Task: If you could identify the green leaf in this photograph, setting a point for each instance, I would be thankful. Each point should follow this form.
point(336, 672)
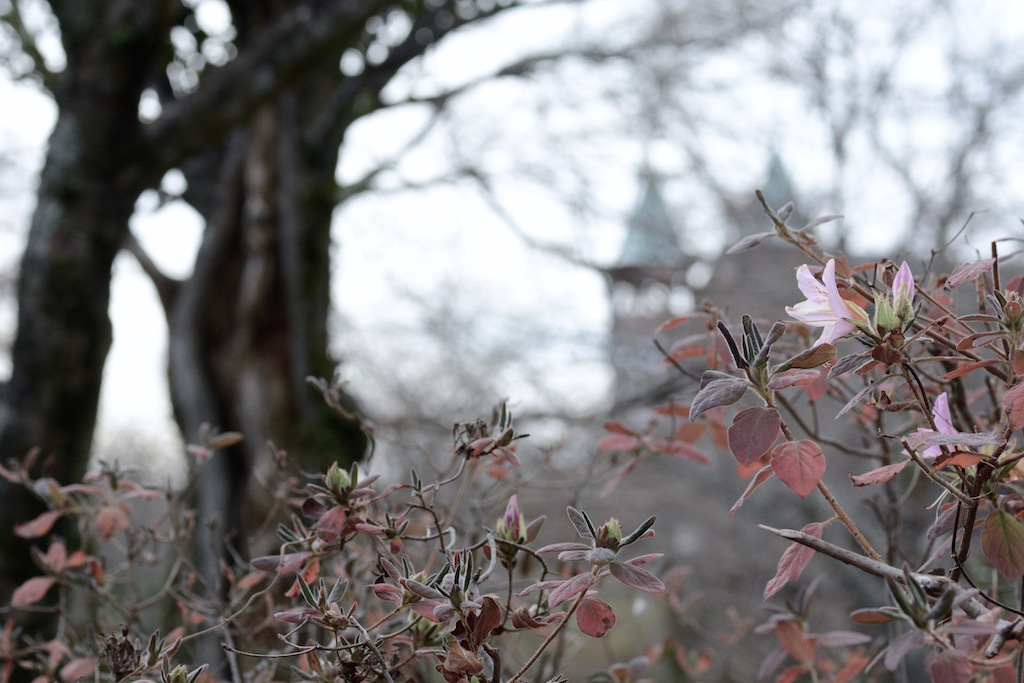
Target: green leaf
point(1002, 541)
point(752, 433)
point(774, 334)
point(799, 465)
point(717, 392)
point(638, 532)
point(307, 592)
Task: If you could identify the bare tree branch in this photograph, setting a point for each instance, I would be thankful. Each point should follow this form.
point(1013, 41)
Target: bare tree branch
point(166, 286)
point(228, 94)
point(29, 44)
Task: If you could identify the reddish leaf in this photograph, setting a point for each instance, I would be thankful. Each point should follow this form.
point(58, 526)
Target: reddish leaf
point(40, 526)
point(110, 520)
point(957, 459)
point(870, 615)
point(459, 660)
point(618, 428)
point(763, 475)
point(793, 378)
point(56, 557)
point(1002, 541)
point(488, 619)
point(690, 347)
point(32, 591)
point(80, 667)
point(595, 617)
point(1013, 402)
point(810, 358)
point(690, 432)
point(618, 476)
point(752, 433)
point(969, 271)
point(680, 449)
point(968, 368)
point(717, 392)
point(799, 465)
point(818, 388)
point(900, 646)
point(617, 442)
point(570, 589)
point(793, 639)
point(791, 674)
point(522, 618)
point(855, 663)
point(951, 667)
point(793, 561)
point(977, 339)
point(330, 524)
point(289, 563)
point(635, 577)
point(879, 475)
point(842, 639)
point(673, 322)
point(676, 409)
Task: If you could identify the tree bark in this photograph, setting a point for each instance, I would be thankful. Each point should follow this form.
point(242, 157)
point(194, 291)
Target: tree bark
point(86, 193)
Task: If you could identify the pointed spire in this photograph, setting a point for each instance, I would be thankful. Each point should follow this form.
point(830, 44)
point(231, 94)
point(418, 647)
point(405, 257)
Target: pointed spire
point(651, 239)
point(777, 188)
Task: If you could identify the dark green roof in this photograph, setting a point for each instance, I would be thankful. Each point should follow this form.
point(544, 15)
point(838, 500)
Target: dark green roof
point(651, 238)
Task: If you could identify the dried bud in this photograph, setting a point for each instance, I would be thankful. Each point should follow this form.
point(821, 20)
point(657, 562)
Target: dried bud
point(121, 655)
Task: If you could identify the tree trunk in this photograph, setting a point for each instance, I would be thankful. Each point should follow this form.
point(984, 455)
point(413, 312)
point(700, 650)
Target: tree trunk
point(87, 191)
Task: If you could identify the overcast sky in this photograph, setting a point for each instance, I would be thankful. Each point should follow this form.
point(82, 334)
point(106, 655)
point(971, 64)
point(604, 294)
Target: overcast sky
point(445, 244)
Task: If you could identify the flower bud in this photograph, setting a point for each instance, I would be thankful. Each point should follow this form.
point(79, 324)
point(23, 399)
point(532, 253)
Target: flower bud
point(337, 479)
point(609, 535)
point(179, 674)
point(886, 319)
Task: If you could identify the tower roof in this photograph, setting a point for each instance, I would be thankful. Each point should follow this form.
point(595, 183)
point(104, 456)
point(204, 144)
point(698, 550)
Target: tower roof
point(778, 188)
point(651, 237)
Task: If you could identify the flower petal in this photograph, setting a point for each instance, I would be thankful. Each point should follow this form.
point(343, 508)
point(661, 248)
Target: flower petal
point(940, 413)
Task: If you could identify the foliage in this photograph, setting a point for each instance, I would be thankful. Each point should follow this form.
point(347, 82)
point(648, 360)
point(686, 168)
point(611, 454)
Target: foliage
point(368, 581)
point(931, 399)
point(373, 581)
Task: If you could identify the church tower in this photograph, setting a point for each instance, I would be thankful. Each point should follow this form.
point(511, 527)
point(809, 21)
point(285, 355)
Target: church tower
point(646, 283)
point(761, 280)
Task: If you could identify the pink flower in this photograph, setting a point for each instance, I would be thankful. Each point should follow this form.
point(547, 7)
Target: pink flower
point(940, 414)
point(903, 291)
point(824, 307)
